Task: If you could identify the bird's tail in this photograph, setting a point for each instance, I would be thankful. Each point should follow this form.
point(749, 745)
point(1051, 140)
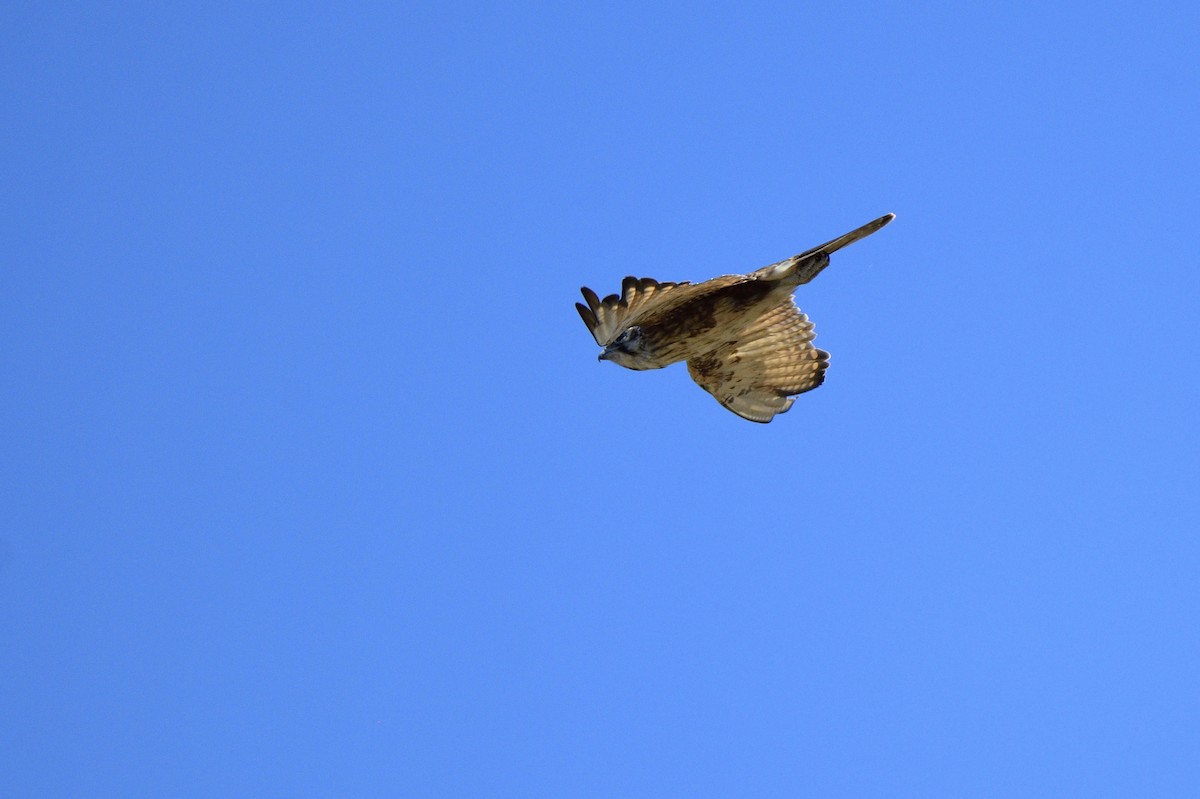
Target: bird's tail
point(804, 267)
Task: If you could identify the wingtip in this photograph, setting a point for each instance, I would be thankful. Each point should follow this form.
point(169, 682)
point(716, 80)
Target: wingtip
point(857, 234)
point(585, 313)
point(590, 297)
point(879, 223)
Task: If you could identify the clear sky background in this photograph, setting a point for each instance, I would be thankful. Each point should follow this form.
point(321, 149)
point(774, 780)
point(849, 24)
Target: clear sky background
point(313, 486)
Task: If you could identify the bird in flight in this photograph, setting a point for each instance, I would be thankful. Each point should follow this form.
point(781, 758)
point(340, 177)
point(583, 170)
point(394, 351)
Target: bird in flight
point(744, 339)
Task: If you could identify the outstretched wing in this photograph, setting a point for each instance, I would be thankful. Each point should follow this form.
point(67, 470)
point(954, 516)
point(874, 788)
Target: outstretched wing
point(804, 267)
point(758, 374)
point(609, 316)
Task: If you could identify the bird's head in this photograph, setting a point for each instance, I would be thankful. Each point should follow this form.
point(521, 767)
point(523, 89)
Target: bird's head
point(629, 350)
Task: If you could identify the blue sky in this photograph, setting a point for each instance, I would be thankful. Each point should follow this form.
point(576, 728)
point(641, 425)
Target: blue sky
point(313, 486)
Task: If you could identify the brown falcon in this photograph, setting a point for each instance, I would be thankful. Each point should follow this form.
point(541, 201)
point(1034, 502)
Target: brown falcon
point(744, 339)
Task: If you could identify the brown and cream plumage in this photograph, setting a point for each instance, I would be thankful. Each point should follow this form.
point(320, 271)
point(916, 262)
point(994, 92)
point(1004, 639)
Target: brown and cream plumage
point(744, 339)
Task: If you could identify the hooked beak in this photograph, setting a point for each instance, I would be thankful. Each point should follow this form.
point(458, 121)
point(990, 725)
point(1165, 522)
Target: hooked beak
point(605, 356)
